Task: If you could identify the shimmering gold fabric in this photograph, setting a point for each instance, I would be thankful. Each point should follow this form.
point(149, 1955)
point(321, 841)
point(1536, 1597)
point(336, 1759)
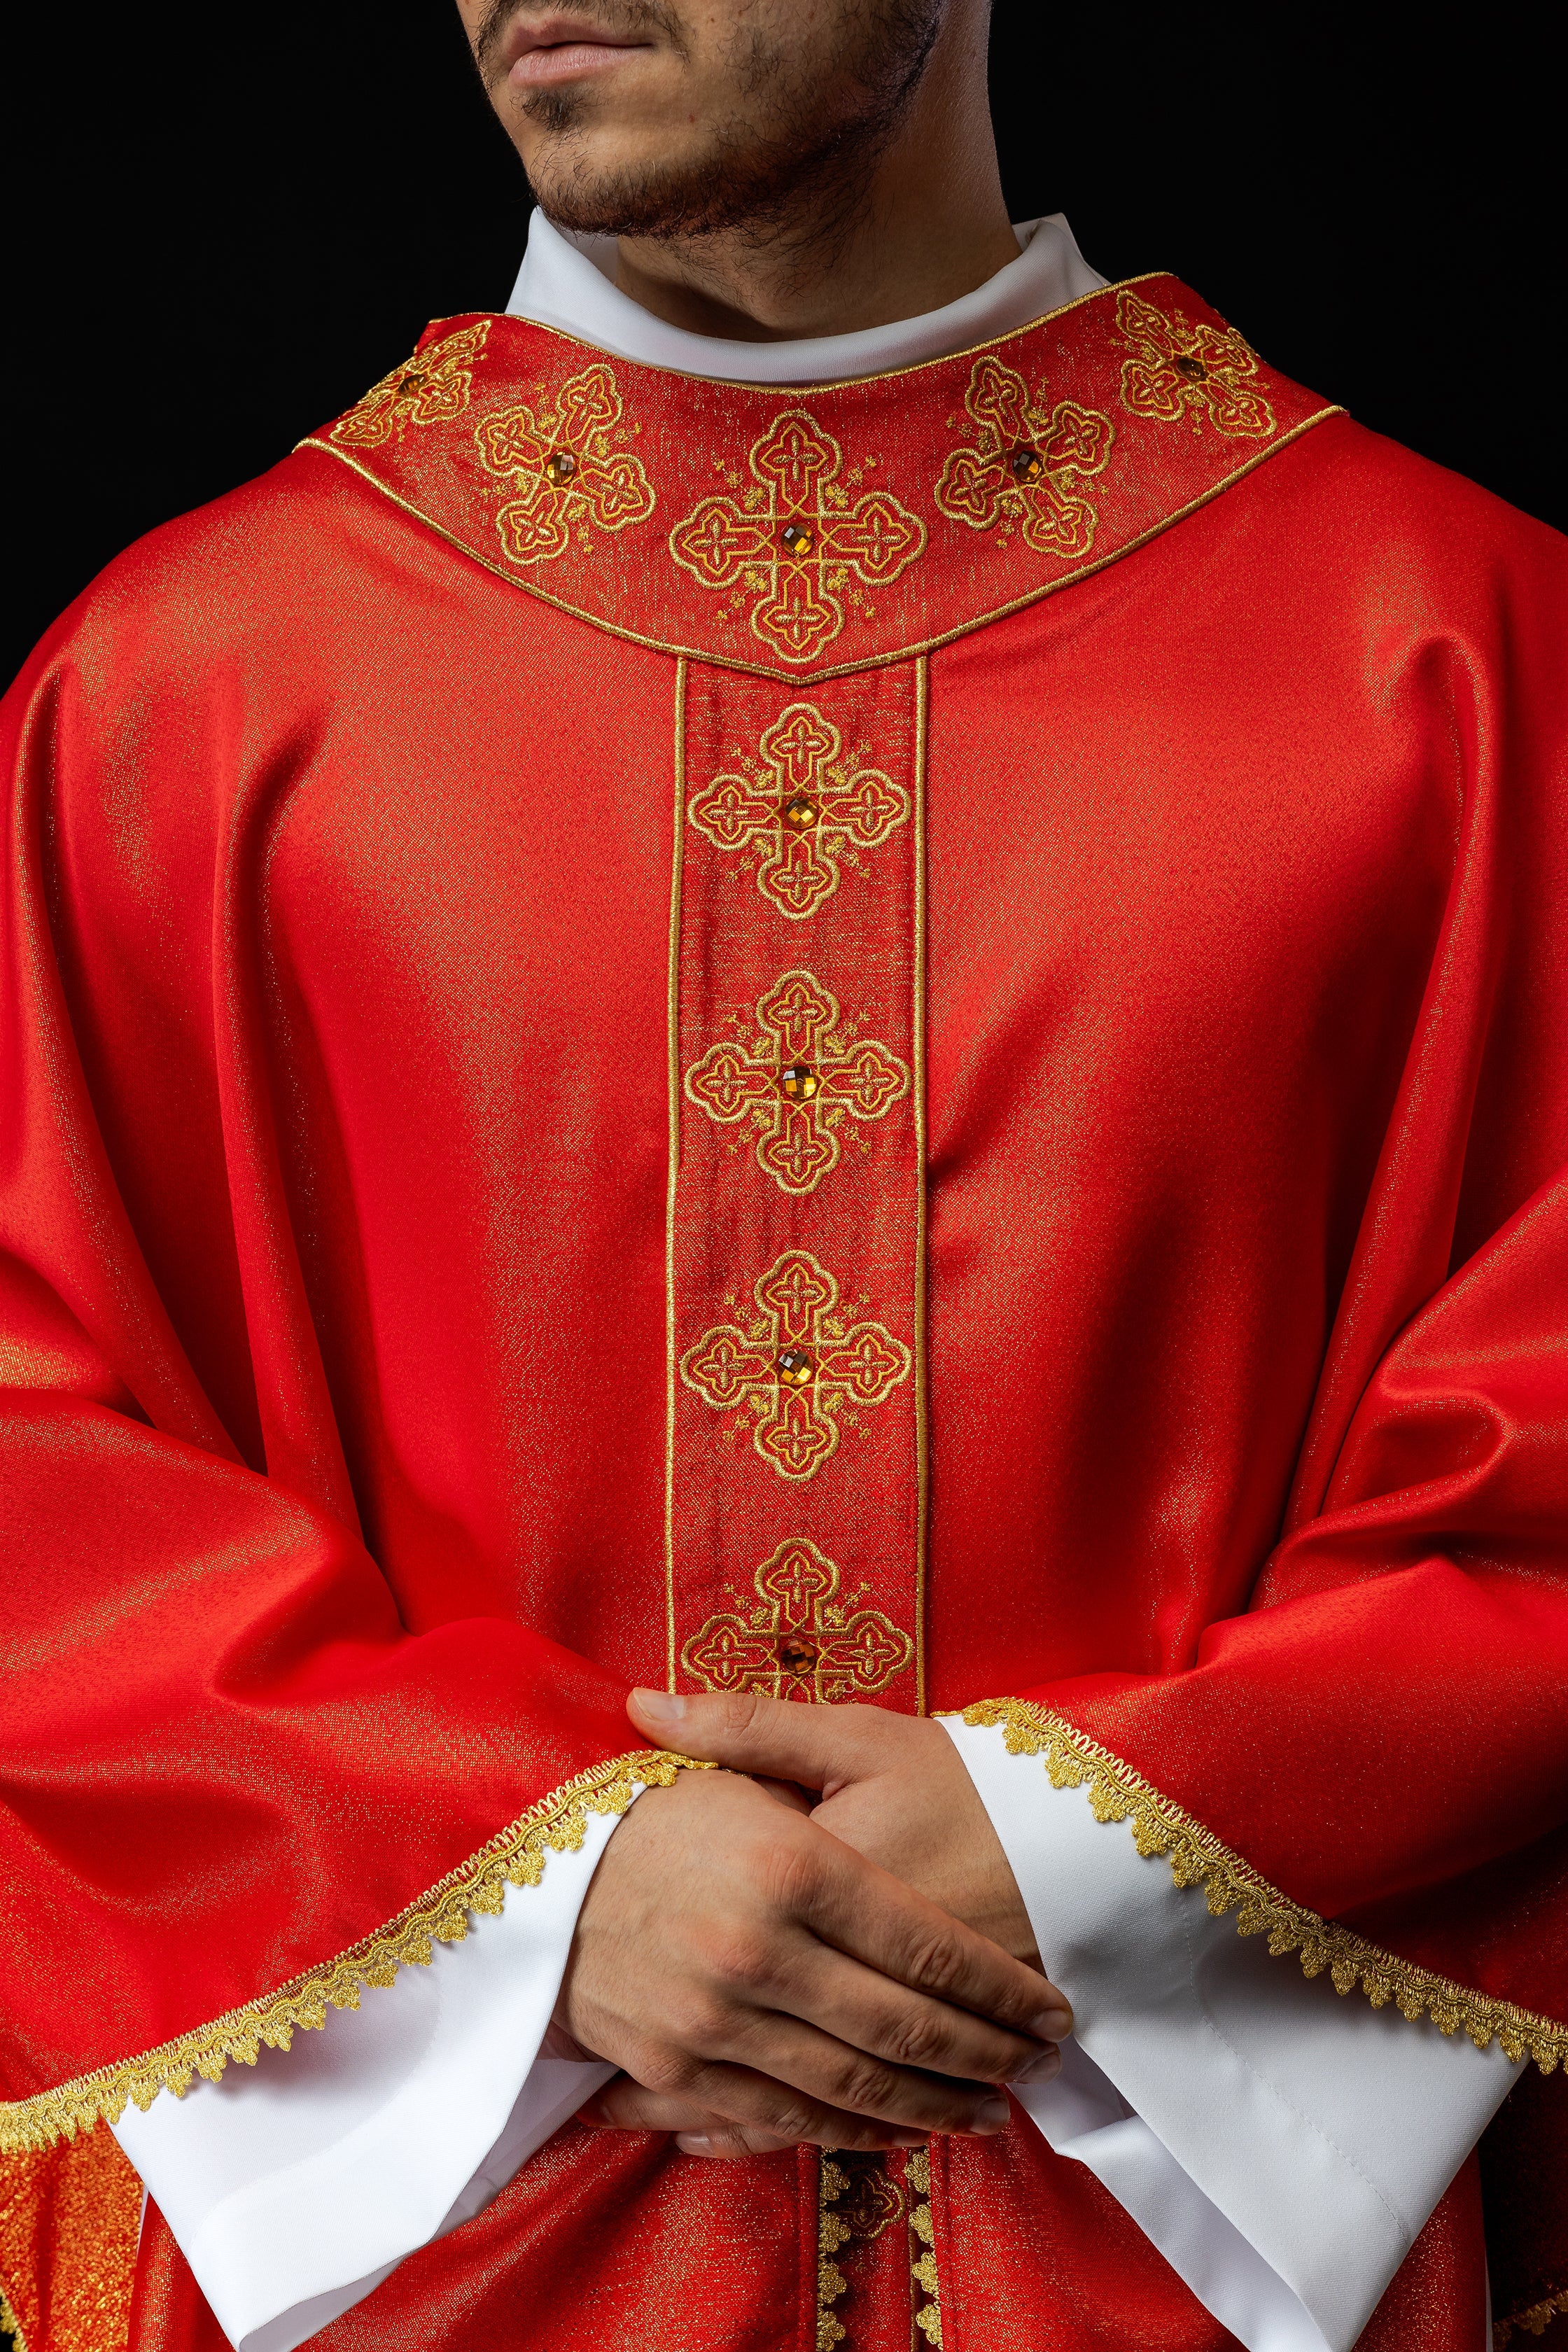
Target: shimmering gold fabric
point(69, 2216)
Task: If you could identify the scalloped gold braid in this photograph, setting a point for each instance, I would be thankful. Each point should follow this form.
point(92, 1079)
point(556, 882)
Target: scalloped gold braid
point(1534, 2322)
point(1197, 1858)
point(515, 1856)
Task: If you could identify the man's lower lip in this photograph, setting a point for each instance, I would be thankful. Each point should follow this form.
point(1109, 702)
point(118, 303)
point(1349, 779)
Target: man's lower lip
point(569, 61)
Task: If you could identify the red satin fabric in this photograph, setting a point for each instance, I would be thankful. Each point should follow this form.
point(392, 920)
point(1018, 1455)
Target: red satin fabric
point(1246, 1032)
point(70, 2216)
point(334, 1177)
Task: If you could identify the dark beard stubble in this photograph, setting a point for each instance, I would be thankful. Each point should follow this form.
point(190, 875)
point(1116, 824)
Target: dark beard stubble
point(758, 175)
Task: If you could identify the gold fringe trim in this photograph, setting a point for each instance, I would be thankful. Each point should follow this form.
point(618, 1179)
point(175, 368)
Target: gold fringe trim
point(922, 2231)
point(831, 2233)
point(515, 1856)
point(1197, 1858)
point(1534, 2322)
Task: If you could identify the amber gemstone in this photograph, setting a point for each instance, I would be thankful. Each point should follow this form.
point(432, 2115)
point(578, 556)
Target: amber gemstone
point(1194, 369)
point(796, 1368)
point(410, 380)
point(800, 812)
point(1027, 464)
point(560, 467)
point(797, 537)
point(798, 1081)
point(797, 1656)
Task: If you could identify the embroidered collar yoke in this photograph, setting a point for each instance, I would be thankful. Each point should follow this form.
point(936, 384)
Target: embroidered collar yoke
point(817, 531)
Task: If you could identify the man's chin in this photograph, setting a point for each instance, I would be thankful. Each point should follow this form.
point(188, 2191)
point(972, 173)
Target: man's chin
point(617, 201)
point(611, 194)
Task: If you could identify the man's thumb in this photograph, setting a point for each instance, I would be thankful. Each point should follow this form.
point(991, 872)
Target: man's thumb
point(747, 1732)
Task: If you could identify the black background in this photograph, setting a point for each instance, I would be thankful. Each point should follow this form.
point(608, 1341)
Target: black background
point(227, 222)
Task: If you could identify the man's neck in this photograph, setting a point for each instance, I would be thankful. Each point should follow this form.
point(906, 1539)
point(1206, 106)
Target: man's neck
point(928, 225)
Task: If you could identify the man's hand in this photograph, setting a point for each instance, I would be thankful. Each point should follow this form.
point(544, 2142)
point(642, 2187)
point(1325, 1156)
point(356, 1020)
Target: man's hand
point(763, 1984)
point(893, 1786)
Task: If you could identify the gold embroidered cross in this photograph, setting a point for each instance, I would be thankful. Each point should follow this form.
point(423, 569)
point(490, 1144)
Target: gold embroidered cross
point(795, 540)
point(813, 809)
point(432, 386)
point(795, 1365)
point(1025, 466)
point(1179, 370)
point(799, 1641)
point(565, 466)
point(798, 1082)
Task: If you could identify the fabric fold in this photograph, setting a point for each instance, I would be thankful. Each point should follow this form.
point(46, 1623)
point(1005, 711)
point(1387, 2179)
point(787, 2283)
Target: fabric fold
point(295, 2188)
point(1318, 2131)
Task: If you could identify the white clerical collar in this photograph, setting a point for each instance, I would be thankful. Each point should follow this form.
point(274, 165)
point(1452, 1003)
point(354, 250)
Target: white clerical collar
point(568, 281)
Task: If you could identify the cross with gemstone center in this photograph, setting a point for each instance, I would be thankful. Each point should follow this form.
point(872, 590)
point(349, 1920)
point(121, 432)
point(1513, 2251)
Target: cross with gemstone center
point(797, 1082)
point(817, 806)
point(799, 1641)
point(796, 538)
point(796, 1365)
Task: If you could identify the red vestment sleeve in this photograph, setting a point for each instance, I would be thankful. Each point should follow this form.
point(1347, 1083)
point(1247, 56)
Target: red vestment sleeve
point(237, 1782)
point(1370, 1756)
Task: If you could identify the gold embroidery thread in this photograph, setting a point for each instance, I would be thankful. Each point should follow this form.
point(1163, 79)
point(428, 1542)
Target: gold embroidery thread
point(1197, 1858)
point(1026, 466)
point(431, 388)
point(800, 1641)
point(569, 468)
point(884, 658)
point(1534, 2321)
point(798, 1083)
point(1179, 370)
point(922, 2231)
point(858, 2196)
point(794, 542)
point(796, 1365)
point(516, 1856)
point(816, 808)
point(832, 2233)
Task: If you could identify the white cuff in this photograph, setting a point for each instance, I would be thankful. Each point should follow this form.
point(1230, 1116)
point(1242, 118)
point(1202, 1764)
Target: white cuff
point(1282, 2148)
point(293, 2189)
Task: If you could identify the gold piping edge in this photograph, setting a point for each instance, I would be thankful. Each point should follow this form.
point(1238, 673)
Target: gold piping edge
point(1116, 1793)
point(516, 1856)
point(811, 677)
point(672, 1177)
point(922, 1399)
point(1534, 2322)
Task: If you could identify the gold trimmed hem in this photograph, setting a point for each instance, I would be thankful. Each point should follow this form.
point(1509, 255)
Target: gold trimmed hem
point(813, 678)
point(515, 1856)
point(1197, 1858)
point(1534, 2322)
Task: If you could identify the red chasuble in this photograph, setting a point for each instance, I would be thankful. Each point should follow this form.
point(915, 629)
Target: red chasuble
point(899, 1042)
